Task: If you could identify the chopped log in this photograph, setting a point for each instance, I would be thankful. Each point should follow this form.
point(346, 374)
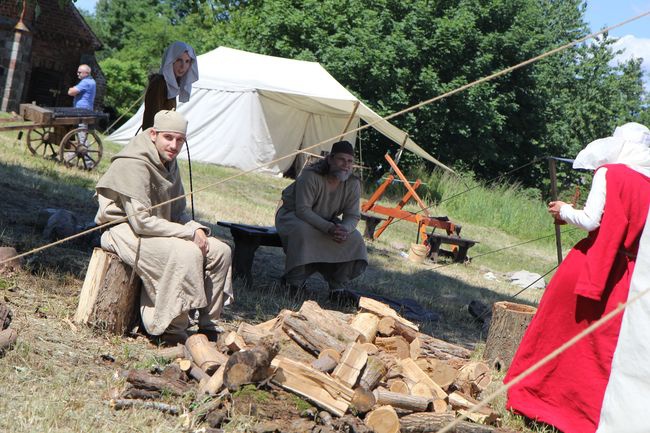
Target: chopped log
point(8, 338)
point(140, 404)
point(396, 346)
point(324, 363)
point(139, 394)
point(375, 370)
point(366, 325)
point(427, 422)
point(352, 362)
point(363, 400)
point(415, 349)
point(439, 405)
point(204, 354)
point(400, 386)
point(389, 326)
point(332, 353)
point(144, 380)
point(422, 390)
point(109, 297)
point(411, 371)
point(250, 366)
point(402, 401)
point(370, 348)
point(184, 364)
point(441, 372)
point(462, 403)
point(383, 420)
point(174, 352)
point(196, 372)
point(251, 334)
point(383, 310)
point(173, 372)
point(213, 384)
point(234, 342)
point(348, 423)
point(507, 327)
point(317, 387)
point(474, 377)
point(480, 417)
point(315, 329)
point(439, 349)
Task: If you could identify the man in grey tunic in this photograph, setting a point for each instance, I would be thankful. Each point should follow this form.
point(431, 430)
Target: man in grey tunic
point(181, 267)
point(314, 238)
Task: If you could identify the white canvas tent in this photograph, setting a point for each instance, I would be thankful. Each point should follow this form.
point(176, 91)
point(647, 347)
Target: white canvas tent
point(247, 110)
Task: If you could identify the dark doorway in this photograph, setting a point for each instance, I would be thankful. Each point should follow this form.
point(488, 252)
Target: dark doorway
point(45, 87)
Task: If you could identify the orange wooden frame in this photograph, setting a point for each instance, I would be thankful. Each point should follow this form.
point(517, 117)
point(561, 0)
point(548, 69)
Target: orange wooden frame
point(423, 219)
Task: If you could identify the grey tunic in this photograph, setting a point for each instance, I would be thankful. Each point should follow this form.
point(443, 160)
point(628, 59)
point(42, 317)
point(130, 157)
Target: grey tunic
point(307, 213)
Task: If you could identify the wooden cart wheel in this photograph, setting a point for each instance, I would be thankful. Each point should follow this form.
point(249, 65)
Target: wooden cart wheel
point(81, 148)
point(42, 142)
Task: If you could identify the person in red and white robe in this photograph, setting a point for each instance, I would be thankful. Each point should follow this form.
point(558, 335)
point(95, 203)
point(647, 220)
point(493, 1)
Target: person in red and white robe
point(602, 383)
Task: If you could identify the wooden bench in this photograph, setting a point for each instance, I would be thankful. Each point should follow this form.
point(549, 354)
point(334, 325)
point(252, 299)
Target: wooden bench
point(435, 240)
point(247, 239)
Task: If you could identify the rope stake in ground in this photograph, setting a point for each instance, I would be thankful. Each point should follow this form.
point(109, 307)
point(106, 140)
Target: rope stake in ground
point(406, 110)
point(554, 354)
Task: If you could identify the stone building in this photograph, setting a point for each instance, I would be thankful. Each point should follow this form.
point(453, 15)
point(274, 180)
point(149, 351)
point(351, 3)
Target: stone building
point(41, 45)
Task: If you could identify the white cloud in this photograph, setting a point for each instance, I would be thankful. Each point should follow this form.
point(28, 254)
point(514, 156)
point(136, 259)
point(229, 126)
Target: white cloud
point(634, 47)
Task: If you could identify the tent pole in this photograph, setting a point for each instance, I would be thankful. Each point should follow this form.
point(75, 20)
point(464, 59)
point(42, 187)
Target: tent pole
point(401, 149)
point(347, 125)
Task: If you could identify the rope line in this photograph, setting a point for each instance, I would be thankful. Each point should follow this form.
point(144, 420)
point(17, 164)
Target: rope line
point(360, 128)
point(554, 354)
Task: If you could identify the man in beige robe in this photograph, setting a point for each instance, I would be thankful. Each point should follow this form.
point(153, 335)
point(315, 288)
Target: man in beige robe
point(314, 238)
point(181, 268)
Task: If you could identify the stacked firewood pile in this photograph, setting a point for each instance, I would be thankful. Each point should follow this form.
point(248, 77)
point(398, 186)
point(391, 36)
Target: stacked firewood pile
point(373, 369)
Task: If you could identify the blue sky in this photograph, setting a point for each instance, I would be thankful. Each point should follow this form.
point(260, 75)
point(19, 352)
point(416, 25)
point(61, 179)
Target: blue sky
point(634, 37)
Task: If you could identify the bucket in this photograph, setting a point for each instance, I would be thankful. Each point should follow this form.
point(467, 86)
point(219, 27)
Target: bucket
point(417, 253)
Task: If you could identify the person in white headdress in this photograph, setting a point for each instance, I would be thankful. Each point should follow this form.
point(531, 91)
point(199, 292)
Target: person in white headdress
point(601, 383)
point(178, 70)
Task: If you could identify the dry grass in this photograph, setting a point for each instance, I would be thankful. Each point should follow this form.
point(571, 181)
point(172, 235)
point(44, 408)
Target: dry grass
point(56, 378)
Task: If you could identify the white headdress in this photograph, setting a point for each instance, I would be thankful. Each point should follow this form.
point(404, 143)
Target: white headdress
point(184, 89)
point(629, 145)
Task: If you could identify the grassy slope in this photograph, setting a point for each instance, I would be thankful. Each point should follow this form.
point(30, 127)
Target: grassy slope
point(56, 379)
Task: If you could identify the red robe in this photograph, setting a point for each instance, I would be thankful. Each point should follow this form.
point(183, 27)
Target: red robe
point(593, 279)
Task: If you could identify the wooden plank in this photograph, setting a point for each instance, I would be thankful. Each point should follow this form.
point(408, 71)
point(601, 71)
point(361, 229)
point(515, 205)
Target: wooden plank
point(352, 362)
point(383, 310)
point(317, 387)
point(412, 372)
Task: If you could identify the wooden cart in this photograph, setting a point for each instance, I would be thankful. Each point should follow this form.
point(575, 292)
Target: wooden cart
point(64, 134)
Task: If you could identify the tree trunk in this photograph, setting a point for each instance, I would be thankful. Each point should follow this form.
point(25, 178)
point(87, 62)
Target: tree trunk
point(109, 297)
point(509, 322)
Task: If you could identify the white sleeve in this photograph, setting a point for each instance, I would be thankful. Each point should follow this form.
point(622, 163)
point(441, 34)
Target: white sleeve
point(589, 217)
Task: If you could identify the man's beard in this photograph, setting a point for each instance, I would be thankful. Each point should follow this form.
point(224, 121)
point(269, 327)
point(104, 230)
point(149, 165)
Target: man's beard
point(341, 175)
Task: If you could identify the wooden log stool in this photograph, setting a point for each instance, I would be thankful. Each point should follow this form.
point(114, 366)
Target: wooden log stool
point(508, 325)
point(435, 240)
point(247, 239)
point(110, 297)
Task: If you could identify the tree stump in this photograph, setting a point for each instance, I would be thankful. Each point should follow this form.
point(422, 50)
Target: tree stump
point(109, 297)
point(509, 322)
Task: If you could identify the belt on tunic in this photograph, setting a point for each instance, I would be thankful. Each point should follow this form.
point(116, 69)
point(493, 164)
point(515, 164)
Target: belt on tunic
point(628, 254)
